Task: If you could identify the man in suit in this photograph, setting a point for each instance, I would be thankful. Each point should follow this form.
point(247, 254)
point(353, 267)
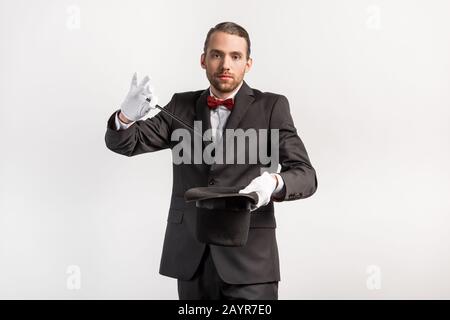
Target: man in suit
point(210, 271)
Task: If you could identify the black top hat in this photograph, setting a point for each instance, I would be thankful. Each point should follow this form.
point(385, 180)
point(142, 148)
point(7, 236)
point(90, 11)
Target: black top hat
point(223, 214)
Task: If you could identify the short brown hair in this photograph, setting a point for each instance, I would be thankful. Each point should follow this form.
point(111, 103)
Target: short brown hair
point(230, 28)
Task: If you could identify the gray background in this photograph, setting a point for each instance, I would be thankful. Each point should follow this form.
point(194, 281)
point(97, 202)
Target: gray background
point(368, 83)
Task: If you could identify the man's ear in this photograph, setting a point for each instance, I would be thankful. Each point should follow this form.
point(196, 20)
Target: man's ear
point(202, 61)
point(248, 65)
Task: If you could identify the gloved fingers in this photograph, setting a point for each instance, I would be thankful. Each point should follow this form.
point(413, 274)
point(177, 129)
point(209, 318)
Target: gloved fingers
point(247, 189)
point(154, 100)
point(260, 200)
point(144, 82)
point(134, 80)
point(148, 89)
point(150, 96)
point(243, 190)
point(146, 92)
point(146, 109)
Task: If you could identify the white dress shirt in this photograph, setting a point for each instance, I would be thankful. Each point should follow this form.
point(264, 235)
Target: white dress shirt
point(218, 118)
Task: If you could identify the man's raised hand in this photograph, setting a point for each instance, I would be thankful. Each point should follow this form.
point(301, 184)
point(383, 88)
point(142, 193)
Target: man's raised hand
point(135, 105)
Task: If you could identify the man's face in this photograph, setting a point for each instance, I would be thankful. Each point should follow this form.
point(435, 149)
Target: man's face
point(225, 62)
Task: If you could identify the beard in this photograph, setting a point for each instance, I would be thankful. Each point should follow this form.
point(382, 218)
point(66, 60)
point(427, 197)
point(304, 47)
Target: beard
point(224, 86)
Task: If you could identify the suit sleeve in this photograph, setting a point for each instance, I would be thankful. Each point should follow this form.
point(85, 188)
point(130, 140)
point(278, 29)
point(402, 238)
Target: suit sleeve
point(299, 176)
point(149, 135)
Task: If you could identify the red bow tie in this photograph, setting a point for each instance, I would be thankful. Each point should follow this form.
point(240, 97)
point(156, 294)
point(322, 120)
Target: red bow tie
point(213, 103)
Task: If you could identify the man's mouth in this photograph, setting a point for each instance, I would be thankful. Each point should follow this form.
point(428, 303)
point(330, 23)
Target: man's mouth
point(225, 76)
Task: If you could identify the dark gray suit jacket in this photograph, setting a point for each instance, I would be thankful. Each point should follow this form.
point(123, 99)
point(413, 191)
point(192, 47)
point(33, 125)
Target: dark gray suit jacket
point(257, 261)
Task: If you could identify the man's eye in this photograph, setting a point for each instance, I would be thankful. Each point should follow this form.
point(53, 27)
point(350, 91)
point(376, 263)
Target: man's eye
point(236, 57)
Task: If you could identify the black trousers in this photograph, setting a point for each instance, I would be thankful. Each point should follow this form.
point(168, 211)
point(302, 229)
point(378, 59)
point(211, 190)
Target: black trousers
point(207, 285)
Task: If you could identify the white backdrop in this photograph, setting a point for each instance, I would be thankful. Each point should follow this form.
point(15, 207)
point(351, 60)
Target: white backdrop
point(368, 83)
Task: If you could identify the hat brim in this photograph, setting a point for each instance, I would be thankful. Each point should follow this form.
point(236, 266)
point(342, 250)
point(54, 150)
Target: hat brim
point(206, 193)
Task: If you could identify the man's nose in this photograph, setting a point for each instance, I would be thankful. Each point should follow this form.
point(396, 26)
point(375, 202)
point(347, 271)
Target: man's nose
point(226, 64)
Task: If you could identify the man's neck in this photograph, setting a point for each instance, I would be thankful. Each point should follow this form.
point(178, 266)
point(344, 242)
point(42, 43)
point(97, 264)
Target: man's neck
point(213, 91)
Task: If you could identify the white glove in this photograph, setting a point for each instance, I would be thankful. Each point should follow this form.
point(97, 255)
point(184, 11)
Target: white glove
point(264, 186)
point(135, 105)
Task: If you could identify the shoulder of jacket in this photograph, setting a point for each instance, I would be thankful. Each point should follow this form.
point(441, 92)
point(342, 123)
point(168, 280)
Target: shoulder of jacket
point(187, 97)
point(269, 98)
point(187, 100)
point(266, 95)
point(188, 94)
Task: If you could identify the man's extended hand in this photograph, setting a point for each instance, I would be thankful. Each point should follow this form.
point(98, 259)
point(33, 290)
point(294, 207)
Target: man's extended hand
point(135, 105)
point(264, 186)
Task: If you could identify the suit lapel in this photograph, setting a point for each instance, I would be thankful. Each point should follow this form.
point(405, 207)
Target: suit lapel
point(242, 100)
point(202, 113)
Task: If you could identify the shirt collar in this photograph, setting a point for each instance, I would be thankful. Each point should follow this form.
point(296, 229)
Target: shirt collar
point(231, 95)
